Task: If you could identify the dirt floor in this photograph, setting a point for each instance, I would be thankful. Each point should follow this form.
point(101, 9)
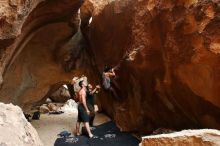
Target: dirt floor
point(50, 125)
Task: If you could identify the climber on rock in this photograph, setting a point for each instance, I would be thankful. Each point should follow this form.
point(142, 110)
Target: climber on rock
point(107, 76)
point(91, 101)
point(83, 110)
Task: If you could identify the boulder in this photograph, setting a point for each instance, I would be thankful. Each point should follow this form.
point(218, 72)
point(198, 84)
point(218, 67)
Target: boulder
point(70, 106)
point(15, 129)
point(61, 95)
point(167, 58)
point(202, 137)
point(52, 107)
point(44, 109)
point(48, 100)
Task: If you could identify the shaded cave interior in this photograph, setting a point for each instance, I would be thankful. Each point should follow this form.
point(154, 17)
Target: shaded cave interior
point(53, 53)
point(47, 58)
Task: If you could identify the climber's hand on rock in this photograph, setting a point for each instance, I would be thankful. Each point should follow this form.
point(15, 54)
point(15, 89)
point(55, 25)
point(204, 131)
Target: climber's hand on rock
point(98, 86)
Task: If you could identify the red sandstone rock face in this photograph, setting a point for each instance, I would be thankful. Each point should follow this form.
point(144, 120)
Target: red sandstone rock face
point(35, 69)
point(13, 16)
point(173, 80)
point(170, 80)
point(21, 19)
point(30, 47)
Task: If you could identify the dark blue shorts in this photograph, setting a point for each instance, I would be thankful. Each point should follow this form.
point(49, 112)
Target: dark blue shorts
point(82, 114)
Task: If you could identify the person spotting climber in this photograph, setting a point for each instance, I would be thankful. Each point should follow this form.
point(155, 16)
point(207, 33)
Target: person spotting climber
point(106, 80)
point(83, 111)
point(90, 101)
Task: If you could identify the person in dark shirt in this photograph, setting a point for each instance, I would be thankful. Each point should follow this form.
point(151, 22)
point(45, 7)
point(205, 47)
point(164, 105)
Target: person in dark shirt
point(91, 101)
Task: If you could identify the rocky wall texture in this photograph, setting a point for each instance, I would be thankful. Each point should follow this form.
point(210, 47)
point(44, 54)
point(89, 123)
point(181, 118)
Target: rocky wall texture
point(32, 59)
point(169, 77)
point(204, 137)
point(15, 129)
point(166, 52)
point(20, 19)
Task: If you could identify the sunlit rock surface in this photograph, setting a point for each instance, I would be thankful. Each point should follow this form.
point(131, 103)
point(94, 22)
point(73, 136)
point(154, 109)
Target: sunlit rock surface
point(204, 137)
point(15, 129)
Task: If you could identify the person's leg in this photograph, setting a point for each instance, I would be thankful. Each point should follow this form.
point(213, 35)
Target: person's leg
point(77, 128)
point(88, 129)
point(92, 114)
point(91, 120)
point(114, 94)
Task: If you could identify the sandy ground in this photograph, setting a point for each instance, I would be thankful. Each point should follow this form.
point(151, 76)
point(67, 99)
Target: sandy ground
point(50, 125)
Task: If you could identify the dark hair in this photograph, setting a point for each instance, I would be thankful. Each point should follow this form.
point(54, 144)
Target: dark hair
point(81, 84)
point(107, 68)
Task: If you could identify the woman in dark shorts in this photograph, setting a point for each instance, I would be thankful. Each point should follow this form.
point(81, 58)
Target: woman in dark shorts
point(91, 101)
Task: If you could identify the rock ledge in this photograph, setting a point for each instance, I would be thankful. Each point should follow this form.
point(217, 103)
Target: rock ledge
point(202, 137)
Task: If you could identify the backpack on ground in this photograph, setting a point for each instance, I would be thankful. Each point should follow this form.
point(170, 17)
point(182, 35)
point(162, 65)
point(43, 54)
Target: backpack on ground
point(36, 116)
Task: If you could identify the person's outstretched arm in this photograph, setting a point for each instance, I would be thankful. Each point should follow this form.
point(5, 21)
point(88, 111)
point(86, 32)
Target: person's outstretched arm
point(111, 74)
point(96, 88)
